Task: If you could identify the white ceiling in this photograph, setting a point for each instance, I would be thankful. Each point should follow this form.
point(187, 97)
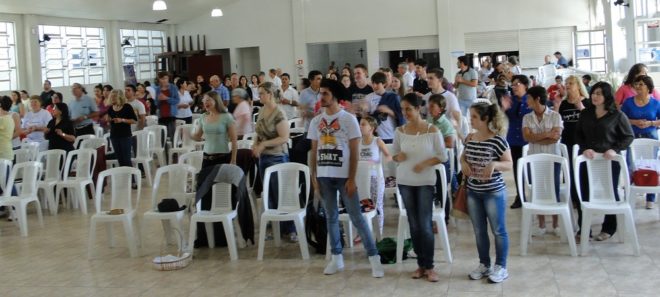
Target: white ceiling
point(121, 10)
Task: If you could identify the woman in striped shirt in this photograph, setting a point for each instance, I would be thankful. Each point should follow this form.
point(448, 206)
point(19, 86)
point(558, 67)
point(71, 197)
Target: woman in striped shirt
point(486, 155)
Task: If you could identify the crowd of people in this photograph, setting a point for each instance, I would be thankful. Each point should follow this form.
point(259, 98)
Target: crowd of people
point(350, 116)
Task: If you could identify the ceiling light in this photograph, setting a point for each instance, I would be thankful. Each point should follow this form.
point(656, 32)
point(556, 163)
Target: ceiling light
point(159, 5)
point(216, 12)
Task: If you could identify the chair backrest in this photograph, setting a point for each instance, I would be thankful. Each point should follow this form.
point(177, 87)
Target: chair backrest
point(26, 144)
point(562, 150)
point(182, 136)
point(79, 139)
point(53, 163)
point(160, 133)
point(539, 171)
point(179, 122)
point(389, 168)
point(144, 140)
point(250, 136)
point(193, 159)
point(288, 182)
point(121, 192)
point(600, 175)
point(363, 178)
point(23, 155)
point(242, 144)
point(93, 143)
point(85, 162)
point(643, 148)
point(177, 180)
point(296, 123)
point(108, 144)
point(98, 131)
point(5, 171)
point(29, 174)
point(221, 198)
point(151, 120)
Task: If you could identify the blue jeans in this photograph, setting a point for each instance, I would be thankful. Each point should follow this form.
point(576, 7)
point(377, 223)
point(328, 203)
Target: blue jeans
point(465, 105)
point(123, 147)
point(418, 201)
point(490, 208)
point(329, 186)
point(266, 161)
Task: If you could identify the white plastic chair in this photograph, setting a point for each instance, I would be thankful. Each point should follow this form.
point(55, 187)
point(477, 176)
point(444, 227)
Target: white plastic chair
point(602, 199)
point(158, 147)
point(151, 120)
point(122, 197)
point(93, 143)
point(5, 171)
point(143, 155)
point(438, 218)
point(28, 173)
point(296, 123)
point(389, 169)
point(288, 206)
point(542, 199)
point(98, 131)
point(193, 159)
point(176, 184)
point(221, 211)
point(182, 143)
point(85, 161)
point(53, 164)
point(26, 154)
point(643, 149)
point(79, 139)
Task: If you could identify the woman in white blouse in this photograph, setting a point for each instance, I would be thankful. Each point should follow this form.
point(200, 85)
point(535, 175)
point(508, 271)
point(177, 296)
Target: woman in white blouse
point(185, 102)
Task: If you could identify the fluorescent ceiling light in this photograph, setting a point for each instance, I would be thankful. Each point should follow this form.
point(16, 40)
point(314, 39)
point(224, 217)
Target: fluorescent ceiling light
point(216, 12)
point(159, 5)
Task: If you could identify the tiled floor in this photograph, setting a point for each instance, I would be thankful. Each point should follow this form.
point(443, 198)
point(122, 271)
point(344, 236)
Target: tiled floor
point(52, 261)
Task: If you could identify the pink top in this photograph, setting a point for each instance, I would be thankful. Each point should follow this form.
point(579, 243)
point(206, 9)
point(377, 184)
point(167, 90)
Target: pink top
point(626, 91)
point(243, 117)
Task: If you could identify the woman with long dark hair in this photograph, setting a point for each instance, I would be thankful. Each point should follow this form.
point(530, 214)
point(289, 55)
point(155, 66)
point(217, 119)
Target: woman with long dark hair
point(627, 89)
point(602, 129)
point(60, 132)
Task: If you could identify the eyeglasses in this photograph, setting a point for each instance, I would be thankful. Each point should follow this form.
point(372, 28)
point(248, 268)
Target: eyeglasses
point(515, 84)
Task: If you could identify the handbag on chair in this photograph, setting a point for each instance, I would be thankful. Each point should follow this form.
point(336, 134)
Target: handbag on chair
point(645, 178)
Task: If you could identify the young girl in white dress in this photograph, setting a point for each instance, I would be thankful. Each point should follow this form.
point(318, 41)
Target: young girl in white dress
point(371, 148)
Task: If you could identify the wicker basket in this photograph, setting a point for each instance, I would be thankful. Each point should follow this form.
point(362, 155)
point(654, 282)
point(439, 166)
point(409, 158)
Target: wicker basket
point(182, 260)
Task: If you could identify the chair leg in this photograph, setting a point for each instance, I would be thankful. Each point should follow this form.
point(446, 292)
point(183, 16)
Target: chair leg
point(632, 231)
point(328, 252)
point(567, 225)
point(210, 234)
point(82, 199)
point(21, 212)
point(584, 232)
point(180, 240)
point(147, 171)
point(444, 237)
point(56, 205)
point(262, 239)
point(40, 215)
point(302, 240)
point(191, 234)
point(111, 238)
point(167, 229)
point(276, 233)
point(92, 238)
point(227, 224)
point(524, 232)
point(400, 238)
point(130, 237)
point(348, 228)
point(50, 197)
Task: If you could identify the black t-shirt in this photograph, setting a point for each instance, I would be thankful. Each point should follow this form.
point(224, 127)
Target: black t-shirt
point(120, 130)
point(46, 98)
point(357, 94)
point(56, 142)
point(421, 86)
point(569, 116)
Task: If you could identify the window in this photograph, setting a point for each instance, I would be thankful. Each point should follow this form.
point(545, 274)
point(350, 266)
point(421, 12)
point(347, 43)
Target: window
point(8, 75)
point(646, 8)
point(139, 48)
point(73, 55)
point(590, 51)
point(647, 42)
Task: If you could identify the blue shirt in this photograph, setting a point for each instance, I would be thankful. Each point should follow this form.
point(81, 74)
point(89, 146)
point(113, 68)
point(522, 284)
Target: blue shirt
point(649, 112)
point(82, 106)
point(223, 92)
point(515, 114)
point(562, 62)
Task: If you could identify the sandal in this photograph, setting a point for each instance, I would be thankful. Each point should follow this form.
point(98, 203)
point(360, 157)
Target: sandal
point(603, 236)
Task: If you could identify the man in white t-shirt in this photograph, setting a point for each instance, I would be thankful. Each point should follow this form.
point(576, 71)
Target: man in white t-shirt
point(289, 100)
point(35, 123)
point(466, 83)
point(335, 136)
point(434, 78)
point(273, 77)
point(138, 107)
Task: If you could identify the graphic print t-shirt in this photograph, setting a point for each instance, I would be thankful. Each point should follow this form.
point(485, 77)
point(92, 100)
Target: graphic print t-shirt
point(333, 133)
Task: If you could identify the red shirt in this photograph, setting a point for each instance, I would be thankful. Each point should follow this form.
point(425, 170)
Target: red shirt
point(163, 105)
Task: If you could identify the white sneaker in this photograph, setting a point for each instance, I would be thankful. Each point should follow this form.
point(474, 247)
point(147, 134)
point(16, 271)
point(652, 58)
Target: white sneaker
point(336, 264)
point(376, 267)
point(556, 231)
point(498, 275)
point(538, 232)
point(481, 272)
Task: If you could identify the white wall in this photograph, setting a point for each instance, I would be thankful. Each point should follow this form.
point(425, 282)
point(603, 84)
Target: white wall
point(250, 23)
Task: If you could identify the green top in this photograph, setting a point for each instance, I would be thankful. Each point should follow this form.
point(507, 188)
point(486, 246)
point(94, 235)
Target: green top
point(443, 124)
point(215, 134)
